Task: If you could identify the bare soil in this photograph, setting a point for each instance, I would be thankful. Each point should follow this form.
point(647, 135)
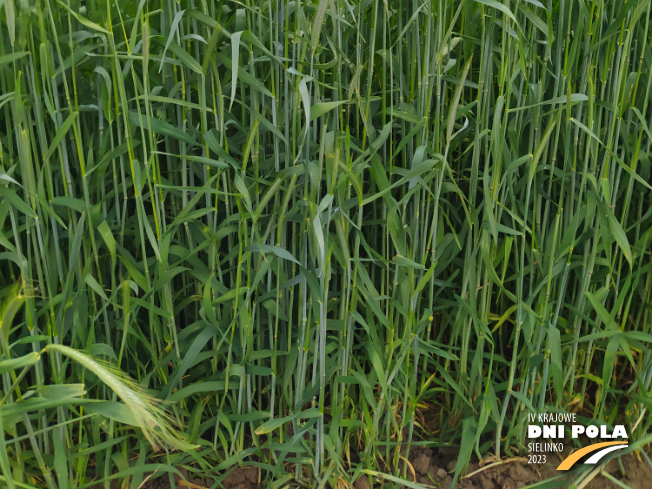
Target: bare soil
point(238, 478)
point(434, 468)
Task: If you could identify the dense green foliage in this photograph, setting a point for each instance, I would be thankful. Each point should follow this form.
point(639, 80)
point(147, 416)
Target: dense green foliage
point(318, 228)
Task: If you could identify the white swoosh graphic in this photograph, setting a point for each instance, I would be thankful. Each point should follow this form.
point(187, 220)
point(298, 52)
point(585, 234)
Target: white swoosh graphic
point(598, 456)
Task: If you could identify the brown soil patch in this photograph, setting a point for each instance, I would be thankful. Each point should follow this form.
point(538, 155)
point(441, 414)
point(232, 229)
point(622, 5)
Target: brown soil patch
point(238, 478)
point(435, 468)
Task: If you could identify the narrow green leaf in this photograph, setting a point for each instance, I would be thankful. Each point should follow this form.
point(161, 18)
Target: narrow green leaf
point(83, 20)
point(322, 108)
point(235, 63)
point(10, 58)
point(173, 30)
point(19, 363)
point(273, 424)
point(61, 133)
point(320, 15)
point(499, 6)
point(161, 127)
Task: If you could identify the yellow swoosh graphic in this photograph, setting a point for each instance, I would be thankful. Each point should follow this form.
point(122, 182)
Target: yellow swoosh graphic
point(574, 457)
